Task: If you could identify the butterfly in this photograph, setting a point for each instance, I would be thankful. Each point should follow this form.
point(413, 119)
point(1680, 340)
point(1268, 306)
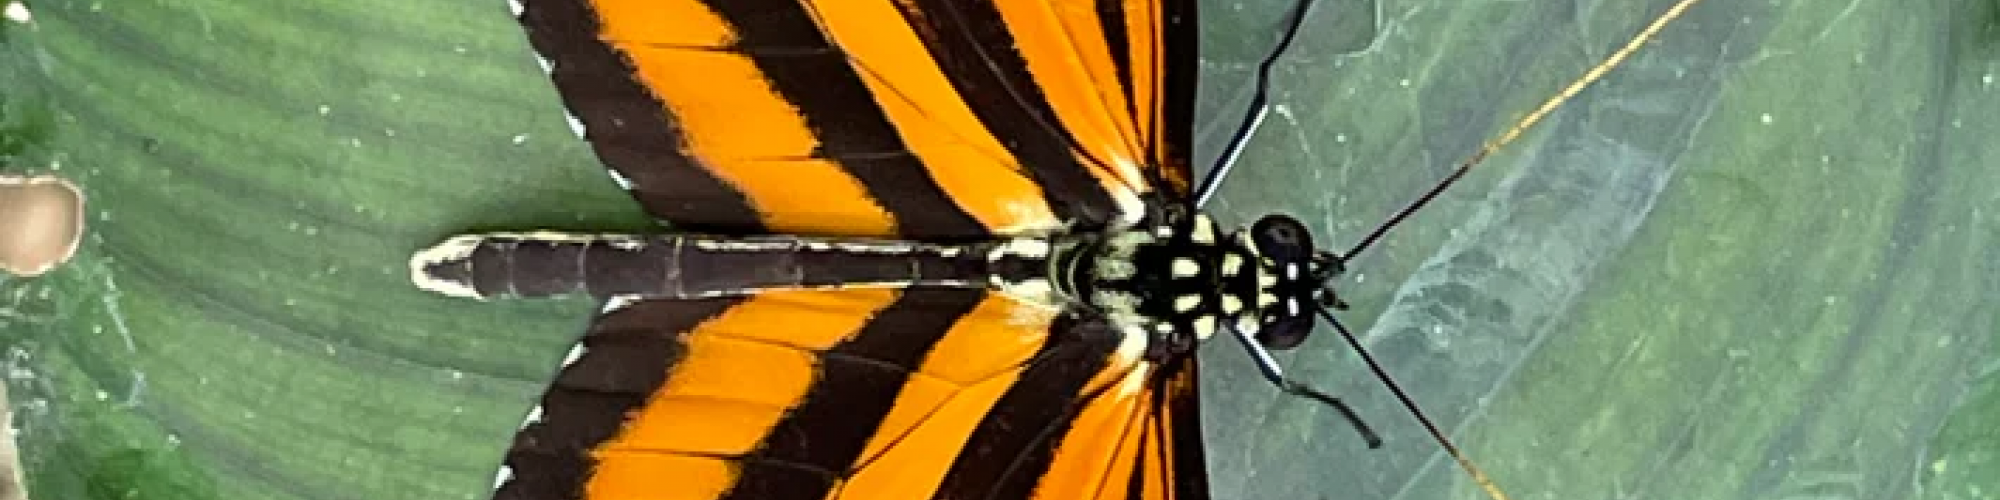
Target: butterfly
point(920, 249)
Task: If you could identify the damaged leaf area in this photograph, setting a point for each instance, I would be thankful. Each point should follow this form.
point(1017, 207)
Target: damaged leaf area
point(1747, 264)
point(41, 221)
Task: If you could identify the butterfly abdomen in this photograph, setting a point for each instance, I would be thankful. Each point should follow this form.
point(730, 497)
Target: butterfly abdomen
point(544, 264)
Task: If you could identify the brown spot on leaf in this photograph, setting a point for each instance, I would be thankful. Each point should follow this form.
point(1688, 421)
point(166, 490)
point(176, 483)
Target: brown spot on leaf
point(41, 219)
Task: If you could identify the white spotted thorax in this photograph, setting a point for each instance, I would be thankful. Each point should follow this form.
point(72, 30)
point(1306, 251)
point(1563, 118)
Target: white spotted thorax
point(1176, 281)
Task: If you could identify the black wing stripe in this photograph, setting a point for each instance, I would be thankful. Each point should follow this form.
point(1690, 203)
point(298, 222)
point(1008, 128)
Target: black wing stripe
point(1173, 116)
point(1155, 445)
point(1111, 19)
point(1018, 437)
point(858, 383)
point(781, 38)
point(590, 399)
point(640, 141)
point(1177, 399)
point(970, 41)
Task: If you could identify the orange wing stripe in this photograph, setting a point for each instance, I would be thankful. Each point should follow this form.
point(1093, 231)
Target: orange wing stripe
point(964, 158)
point(657, 476)
point(1098, 454)
point(742, 372)
point(1072, 64)
point(750, 135)
point(951, 392)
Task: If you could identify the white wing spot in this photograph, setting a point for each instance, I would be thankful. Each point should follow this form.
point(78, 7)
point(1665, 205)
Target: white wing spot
point(575, 353)
point(1186, 267)
point(1036, 291)
point(506, 474)
point(1133, 344)
point(1130, 207)
point(617, 302)
point(623, 182)
point(1030, 216)
point(1031, 314)
point(1131, 331)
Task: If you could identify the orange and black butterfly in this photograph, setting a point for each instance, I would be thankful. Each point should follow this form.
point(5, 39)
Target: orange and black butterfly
point(922, 249)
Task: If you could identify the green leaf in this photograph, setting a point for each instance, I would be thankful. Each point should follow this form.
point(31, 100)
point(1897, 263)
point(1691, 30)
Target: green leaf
point(1753, 262)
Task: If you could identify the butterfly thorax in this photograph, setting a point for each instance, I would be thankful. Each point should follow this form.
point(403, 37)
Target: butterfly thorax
point(1177, 281)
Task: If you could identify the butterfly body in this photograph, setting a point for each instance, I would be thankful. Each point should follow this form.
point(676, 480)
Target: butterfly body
point(1174, 280)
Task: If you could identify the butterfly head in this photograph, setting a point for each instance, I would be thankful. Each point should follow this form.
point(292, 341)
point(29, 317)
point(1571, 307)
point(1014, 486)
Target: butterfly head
point(1283, 277)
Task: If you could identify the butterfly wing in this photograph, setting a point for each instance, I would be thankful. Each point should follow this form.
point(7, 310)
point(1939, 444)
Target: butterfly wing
point(931, 119)
point(920, 118)
point(1138, 437)
point(939, 394)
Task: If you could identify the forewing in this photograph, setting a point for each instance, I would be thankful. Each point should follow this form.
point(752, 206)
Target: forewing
point(918, 118)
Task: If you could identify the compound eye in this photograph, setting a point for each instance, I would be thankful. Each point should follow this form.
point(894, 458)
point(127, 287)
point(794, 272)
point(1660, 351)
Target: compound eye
point(1282, 238)
point(1286, 332)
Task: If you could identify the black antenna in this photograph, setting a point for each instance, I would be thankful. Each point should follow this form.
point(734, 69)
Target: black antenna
point(1254, 118)
point(1521, 126)
point(1260, 106)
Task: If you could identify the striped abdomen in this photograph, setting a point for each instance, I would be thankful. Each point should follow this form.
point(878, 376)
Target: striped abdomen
point(685, 265)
